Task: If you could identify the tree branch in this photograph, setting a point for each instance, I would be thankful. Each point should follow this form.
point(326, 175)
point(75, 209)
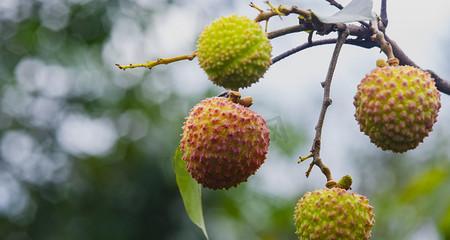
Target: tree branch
point(288, 30)
point(355, 42)
point(315, 149)
point(383, 13)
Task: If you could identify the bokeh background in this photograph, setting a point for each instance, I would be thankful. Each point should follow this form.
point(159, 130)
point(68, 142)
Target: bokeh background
point(86, 150)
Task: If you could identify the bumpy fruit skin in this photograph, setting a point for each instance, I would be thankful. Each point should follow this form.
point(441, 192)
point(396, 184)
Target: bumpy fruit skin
point(396, 106)
point(234, 52)
point(223, 143)
point(333, 214)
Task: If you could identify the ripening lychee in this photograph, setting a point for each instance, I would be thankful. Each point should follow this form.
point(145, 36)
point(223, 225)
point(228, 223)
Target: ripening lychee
point(234, 51)
point(223, 142)
point(333, 214)
point(396, 106)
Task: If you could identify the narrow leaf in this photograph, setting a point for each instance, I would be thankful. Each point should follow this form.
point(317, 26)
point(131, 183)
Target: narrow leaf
point(356, 10)
point(190, 190)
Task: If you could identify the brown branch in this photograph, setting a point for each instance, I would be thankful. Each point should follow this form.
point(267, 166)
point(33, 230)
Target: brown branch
point(355, 42)
point(383, 13)
point(315, 149)
point(288, 30)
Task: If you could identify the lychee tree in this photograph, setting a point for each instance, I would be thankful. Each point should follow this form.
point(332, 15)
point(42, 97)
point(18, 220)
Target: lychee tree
point(224, 142)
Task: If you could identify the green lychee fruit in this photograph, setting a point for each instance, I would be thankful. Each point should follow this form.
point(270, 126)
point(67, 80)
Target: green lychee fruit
point(396, 106)
point(234, 51)
point(333, 214)
point(223, 142)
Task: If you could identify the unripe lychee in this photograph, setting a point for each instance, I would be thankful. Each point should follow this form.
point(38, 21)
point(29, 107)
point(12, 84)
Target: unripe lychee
point(223, 142)
point(234, 51)
point(396, 106)
point(333, 214)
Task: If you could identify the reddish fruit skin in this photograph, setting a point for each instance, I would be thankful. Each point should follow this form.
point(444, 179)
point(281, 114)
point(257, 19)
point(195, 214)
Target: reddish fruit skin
point(396, 106)
point(223, 143)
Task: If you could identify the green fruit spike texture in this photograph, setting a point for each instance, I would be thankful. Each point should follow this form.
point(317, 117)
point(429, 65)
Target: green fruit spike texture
point(396, 106)
point(333, 214)
point(223, 143)
point(234, 52)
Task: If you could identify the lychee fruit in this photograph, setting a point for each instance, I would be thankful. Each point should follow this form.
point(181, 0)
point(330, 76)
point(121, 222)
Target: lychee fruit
point(223, 142)
point(333, 214)
point(234, 51)
point(396, 106)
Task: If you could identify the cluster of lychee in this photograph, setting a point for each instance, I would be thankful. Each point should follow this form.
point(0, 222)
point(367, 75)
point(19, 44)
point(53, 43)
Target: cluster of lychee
point(224, 142)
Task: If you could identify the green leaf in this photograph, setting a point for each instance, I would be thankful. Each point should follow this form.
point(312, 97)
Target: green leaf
point(424, 184)
point(190, 190)
point(356, 10)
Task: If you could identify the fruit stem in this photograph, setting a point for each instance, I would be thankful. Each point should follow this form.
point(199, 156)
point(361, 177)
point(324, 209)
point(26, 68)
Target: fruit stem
point(159, 61)
point(235, 96)
point(393, 61)
point(378, 36)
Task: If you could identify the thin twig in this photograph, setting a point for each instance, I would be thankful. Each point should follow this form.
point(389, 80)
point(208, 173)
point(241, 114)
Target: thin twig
point(288, 30)
point(159, 61)
point(383, 13)
point(315, 149)
point(355, 42)
point(278, 11)
point(253, 5)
